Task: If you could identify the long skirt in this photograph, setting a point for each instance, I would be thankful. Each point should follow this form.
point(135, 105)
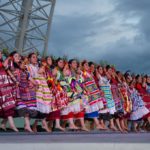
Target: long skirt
point(26, 97)
point(59, 102)
point(7, 95)
point(95, 99)
point(44, 98)
point(74, 107)
point(109, 99)
point(138, 108)
point(117, 98)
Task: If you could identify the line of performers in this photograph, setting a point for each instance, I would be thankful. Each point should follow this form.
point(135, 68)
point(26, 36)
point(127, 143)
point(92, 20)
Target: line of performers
point(64, 94)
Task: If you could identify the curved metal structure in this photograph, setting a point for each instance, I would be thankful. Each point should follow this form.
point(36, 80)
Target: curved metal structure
point(25, 25)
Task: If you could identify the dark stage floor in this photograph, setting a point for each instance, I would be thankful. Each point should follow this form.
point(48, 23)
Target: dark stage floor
point(74, 137)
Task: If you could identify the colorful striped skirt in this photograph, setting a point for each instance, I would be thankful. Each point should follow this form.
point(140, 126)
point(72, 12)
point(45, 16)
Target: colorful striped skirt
point(7, 95)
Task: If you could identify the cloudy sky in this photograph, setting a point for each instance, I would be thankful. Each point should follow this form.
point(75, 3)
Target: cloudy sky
point(117, 31)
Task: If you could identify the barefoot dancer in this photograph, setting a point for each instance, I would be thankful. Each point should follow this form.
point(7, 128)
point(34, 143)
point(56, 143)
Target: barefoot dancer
point(7, 95)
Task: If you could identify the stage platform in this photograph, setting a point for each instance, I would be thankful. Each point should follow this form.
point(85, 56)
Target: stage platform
point(75, 137)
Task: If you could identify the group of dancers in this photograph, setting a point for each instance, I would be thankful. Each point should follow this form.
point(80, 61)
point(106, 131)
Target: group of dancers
point(65, 95)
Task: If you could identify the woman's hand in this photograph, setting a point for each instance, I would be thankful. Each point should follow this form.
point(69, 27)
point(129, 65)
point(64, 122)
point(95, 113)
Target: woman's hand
point(54, 72)
point(6, 62)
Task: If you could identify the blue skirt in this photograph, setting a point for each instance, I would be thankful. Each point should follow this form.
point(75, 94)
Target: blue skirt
point(92, 115)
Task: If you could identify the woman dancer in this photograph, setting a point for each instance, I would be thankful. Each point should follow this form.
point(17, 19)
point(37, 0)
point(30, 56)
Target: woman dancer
point(7, 94)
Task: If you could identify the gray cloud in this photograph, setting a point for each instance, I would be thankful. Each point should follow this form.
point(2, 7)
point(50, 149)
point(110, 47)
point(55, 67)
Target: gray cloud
point(135, 54)
point(70, 34)
point(120, 36)
point(132, 8)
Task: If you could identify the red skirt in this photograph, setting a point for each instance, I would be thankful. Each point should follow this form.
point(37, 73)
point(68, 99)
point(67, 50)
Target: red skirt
point(146, 99)
point(146, 116)
point(7, 95)
point(79, 115)
point(54, 115)
point(7, 113)
point(68, 116)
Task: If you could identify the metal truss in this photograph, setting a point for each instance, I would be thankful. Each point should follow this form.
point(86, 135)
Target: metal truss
point(25, 25)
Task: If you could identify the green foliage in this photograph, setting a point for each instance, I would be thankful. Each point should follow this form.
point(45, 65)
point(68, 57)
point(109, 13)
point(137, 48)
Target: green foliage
point(65, 57)
point(37, 52)
point(6, 52)
point(54, 57)
point(103, 63)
